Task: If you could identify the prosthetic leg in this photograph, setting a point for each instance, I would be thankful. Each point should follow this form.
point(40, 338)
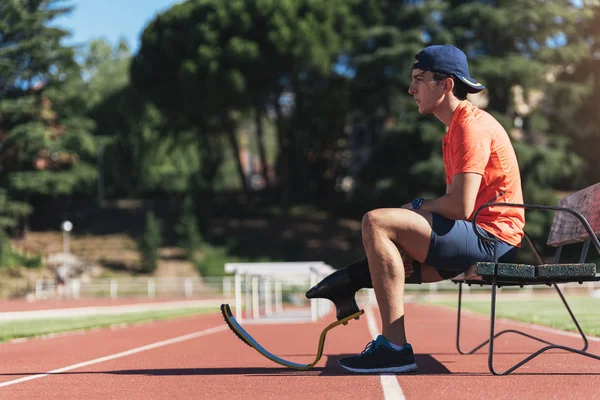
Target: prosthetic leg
point(341, 286)
point(250, 341)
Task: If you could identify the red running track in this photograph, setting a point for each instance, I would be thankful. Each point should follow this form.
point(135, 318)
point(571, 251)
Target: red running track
point(213, 363)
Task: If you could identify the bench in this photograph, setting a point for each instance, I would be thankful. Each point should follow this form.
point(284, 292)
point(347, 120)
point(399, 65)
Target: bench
point(576, 220)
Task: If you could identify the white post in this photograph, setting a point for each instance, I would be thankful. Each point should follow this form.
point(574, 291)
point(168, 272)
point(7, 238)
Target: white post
point(38, 289)
point(65, 248)
point(75, 288)
point(268, 300)
point(188, 287)
point(248, 300)
point(278, 297)
point(113, 288)
point(66, 227)
point(238, 297)
point(151, 288)
point(255, 298)
point(433, 287)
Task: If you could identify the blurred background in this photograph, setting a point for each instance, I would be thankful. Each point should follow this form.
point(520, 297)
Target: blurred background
point(150, 142)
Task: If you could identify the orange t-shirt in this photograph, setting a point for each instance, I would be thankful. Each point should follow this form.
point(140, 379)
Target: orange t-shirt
point(476, 142)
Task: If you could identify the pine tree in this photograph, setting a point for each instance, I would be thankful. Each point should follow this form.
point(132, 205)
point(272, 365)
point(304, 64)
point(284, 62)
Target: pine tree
point(45, 142)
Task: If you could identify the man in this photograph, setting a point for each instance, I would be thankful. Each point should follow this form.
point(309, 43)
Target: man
point(480, 167)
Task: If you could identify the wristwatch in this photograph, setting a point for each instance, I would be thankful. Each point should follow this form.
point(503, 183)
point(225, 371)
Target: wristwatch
point(417, 203)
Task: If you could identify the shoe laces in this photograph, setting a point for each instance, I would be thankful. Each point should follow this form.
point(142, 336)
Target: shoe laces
point(368, 348)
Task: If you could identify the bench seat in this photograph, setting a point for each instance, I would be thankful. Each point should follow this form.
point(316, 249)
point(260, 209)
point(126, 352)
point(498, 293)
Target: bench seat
point(483, 272)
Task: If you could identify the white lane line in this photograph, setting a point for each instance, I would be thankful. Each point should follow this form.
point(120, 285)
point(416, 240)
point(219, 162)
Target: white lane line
point(389, 383)
point(119, 355)
point(107, 310)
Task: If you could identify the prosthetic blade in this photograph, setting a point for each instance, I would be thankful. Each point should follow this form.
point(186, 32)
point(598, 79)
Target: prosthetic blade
point(249, 340)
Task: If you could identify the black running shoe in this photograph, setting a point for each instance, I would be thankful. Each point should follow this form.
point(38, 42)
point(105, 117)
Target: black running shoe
point(379, 357)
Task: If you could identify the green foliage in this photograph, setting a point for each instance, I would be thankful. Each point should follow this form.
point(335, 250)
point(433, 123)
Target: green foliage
point(394, 176)
point(190, 238)
point(106, 69)
point(520, 45)
point(44, 326)
point(543, 310)
point(11, 212)
point(147, 154)
point(575, 95)
point(44, 129)
point(149, 243)
point(213, 259)
point(10, 258)
point(80, 178)
point(317, 72)
point(217, 60)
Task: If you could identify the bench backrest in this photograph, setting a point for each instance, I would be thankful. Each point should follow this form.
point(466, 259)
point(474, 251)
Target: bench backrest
point(566, 228)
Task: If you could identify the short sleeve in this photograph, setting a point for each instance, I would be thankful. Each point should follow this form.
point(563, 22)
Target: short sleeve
point(470, 149)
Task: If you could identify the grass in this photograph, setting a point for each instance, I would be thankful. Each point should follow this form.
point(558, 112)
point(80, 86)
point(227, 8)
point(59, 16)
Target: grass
point(45, 326)
point(542, 311)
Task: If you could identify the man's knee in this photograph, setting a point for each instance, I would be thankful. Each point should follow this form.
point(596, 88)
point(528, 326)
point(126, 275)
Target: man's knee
point(369, 220)
point(392, 221)
point(381, 219)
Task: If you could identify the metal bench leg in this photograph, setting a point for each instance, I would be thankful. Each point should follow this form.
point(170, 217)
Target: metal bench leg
point(540, 351)
point(482, 344)
point(461, 351)
point(581, 333)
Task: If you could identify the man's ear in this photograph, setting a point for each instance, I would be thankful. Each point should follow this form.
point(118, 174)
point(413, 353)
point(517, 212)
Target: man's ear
point(448, 85)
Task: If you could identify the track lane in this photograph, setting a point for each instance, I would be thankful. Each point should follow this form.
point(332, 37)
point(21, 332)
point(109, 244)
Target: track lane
point(443, 373)
point(215, 366)
point(221, 366)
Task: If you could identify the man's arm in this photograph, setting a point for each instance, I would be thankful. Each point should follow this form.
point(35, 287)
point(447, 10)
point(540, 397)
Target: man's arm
point(459, 200)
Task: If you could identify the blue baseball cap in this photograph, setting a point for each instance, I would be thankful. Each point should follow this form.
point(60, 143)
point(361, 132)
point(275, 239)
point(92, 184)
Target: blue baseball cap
point(449, 60)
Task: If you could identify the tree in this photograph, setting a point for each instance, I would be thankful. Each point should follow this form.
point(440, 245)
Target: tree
point(139, 157)
point(45, 142)
point(149, 243)
point(396, 153)
point(11, 212)
point(105, 69)
point(575, 93)
point(207, 61)
point(190, 238)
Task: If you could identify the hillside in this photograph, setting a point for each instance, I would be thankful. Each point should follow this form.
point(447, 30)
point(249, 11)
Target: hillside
point(105, 242)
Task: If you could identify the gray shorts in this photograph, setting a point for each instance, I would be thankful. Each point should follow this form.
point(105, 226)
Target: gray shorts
point(454, 247)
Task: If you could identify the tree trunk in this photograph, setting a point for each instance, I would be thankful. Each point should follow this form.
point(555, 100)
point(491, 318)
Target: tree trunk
point(283, 181)
point(230, 127)
point(261, 146)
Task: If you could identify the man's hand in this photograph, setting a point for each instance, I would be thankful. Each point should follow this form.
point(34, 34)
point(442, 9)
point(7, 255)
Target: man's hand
point(407, 206)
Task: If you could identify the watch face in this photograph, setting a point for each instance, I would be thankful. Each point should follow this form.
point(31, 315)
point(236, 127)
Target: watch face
point(416, 204)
